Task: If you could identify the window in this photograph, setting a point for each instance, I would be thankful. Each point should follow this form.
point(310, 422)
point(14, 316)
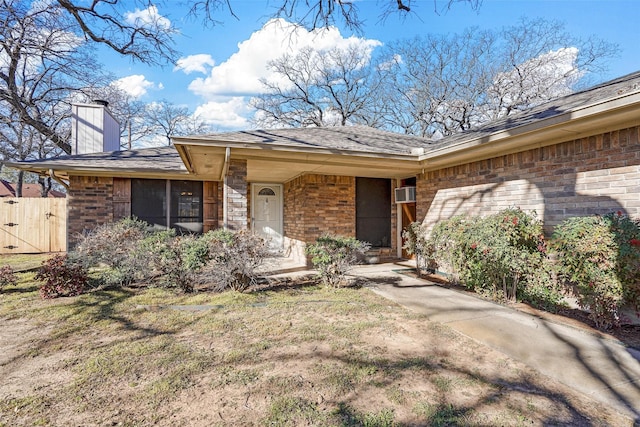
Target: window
point(164, 203)
point(266, 192)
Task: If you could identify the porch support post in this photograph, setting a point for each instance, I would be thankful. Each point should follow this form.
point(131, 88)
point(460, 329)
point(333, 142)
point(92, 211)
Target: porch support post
point(235, 207)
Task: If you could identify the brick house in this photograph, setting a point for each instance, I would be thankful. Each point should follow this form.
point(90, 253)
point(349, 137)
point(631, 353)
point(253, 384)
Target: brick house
point(575, 155)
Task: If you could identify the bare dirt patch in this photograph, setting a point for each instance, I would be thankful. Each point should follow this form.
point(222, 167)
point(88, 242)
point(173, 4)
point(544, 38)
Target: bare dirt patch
point(291, 354)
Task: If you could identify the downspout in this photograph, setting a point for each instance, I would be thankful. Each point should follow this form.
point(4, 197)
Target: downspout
point(223, 178)
point(398, 183)
point(58, 180)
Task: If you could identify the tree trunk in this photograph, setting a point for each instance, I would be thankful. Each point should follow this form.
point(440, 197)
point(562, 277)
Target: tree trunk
point(45, 186)
point(19, 183)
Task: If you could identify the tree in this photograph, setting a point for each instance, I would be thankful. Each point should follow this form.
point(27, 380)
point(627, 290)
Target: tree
point(43, 63)
point(319, 88)
point(168, 120)
point(19, 141)
point(149, 40)
point(314, 14)
point(44, 44)
point(439, 85)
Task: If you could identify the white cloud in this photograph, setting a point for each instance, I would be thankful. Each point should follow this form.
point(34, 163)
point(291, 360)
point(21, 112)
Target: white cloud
point(225, 114)
point(194, 63)
point(148, 17)
point(135, 85)
point(241, 73)
point(229, 85)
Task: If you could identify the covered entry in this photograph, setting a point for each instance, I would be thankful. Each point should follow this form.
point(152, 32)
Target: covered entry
point(266, 213)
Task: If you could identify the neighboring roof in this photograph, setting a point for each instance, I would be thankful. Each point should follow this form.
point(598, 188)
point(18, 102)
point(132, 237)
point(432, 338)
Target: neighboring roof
point(147, 161)
point(8, 189)
point(363, 139)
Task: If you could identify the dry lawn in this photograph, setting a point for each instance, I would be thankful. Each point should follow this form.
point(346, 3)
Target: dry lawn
point(294, 354)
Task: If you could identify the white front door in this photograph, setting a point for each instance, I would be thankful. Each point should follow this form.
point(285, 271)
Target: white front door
point(266, 213)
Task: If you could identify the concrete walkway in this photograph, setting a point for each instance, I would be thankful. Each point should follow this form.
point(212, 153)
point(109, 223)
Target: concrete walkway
point(601, 368)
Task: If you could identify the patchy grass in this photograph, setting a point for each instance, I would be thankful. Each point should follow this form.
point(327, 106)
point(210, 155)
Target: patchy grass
point(22, 262)
point(298, 355)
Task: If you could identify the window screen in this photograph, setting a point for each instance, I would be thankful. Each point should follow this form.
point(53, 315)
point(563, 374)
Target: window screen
point(149, 201)
point(186, 206)
point(175, 203)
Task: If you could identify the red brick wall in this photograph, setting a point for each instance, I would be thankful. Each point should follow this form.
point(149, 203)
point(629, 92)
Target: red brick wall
point(592, 175)
point(318, 204)
point(90, 203)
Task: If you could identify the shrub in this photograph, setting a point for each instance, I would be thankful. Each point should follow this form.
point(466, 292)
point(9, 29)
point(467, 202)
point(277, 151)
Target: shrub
point(61, 277)
point(501, 254)
point(416, 243)
point(114, 245)
point(334, 256)
point(163, 258)
point(599, 260)
point(444, 245)
point(7, 276)
point(233, 259)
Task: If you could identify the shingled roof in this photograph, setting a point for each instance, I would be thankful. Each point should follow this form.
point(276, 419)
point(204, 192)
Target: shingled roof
point(147, 160)
point(606, 91)
point(340, 138)
point(569, 115)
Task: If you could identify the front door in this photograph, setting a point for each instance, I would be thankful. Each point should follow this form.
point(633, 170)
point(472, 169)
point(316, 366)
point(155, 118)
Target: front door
point(266, 213)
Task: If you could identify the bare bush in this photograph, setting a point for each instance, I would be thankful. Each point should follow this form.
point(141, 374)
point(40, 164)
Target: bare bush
point(234, 259)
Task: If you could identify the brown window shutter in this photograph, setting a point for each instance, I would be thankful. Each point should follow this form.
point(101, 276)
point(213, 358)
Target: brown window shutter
point(121, 198)
point(209, 205)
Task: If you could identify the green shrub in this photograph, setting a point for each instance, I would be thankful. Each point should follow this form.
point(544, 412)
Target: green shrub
point(163, 255)
point(417, 244)
point(61, 277)
point(334, 256)
point(599, 259)
point(503, 254)
point(233, 259)
point(7, 276)
point(444, 246)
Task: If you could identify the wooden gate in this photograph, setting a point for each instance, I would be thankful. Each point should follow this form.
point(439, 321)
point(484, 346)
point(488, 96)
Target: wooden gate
point(33, 225)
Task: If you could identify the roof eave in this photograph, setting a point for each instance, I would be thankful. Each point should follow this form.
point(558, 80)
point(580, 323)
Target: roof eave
point(67, 171)
point(601, 117)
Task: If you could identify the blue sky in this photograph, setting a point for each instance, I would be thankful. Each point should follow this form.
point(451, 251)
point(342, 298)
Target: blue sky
point(221, 65)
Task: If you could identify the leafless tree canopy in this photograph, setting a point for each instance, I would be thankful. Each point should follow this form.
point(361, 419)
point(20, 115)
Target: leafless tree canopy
point(332, 87)
point(167, 119)
point(102, 21)
point(314, 14)
point(432, 85)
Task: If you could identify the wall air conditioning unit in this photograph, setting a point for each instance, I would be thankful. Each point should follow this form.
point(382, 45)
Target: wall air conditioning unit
point(405, 195)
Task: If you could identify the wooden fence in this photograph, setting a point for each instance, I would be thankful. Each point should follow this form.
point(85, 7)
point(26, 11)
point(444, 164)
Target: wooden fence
point(33, 225)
